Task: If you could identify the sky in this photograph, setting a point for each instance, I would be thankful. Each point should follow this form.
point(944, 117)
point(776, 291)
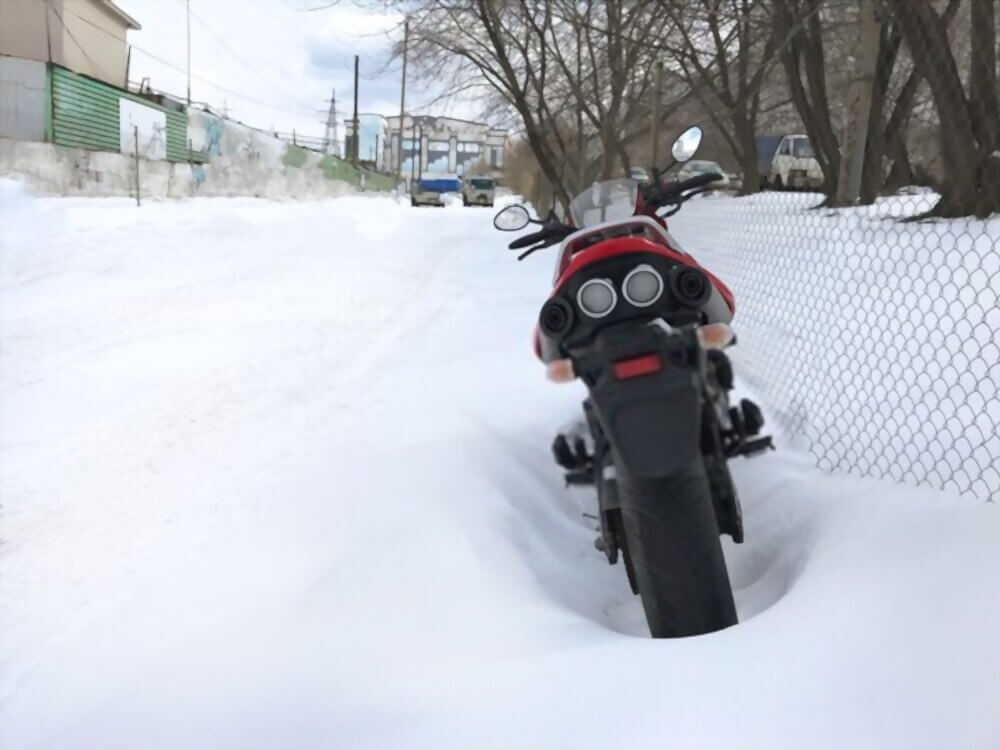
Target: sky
point(272, 63)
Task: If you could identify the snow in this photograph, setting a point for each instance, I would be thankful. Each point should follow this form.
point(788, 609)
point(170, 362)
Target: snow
point(278, 475)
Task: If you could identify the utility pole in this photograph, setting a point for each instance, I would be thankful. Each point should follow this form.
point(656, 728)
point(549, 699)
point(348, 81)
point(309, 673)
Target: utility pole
point(413, 158)
point(402, 101)
point(420, 151)
point(354, 143)
point(188, 5)
point(654, 127)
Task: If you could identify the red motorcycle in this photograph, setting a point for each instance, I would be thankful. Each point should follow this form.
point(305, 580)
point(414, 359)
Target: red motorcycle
point(644, 326)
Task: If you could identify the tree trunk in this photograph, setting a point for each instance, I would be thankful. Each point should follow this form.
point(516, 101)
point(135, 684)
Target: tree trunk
point(901, 173)
point(748, 159)
point(804, 48)
point(860, 106)
point(872, 180)
point(972, 174)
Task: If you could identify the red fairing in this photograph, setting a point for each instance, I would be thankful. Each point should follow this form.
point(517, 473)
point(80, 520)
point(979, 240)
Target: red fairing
point(624, 246)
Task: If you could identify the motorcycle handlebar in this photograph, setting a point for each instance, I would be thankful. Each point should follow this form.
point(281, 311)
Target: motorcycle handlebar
point(664, 196)
point(529, 239)
point(696, 182)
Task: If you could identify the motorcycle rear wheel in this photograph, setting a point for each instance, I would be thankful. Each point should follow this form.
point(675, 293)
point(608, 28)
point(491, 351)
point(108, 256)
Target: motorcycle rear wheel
point(673, 542)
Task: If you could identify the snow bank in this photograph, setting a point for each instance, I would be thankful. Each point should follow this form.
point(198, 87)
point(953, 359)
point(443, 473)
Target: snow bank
point(278, 475)
point(56, 170)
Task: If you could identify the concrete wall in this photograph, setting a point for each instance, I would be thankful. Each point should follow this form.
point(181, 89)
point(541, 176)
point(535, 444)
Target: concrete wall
point(24, 27)
point(102, 34)
point(48, 169)
point(257, 156)
point(22, 99)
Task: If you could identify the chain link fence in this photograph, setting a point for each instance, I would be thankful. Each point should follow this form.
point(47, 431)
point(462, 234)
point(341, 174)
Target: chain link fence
point(874, 340)
point(873, 331)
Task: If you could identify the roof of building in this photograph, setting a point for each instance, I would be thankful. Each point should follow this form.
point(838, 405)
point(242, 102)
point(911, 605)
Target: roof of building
point(434, 118)
point(120, 14)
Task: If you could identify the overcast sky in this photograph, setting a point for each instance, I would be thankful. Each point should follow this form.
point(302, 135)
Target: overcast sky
point(276, 64)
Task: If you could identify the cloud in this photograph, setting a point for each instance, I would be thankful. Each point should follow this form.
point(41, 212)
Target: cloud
point(265, 62)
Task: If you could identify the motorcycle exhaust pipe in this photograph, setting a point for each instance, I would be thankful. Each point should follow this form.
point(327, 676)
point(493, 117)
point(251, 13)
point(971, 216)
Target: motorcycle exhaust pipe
point(556, 318)
point(689, 286)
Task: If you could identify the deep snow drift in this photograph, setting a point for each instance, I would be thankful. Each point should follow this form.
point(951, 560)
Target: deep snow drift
point(278, 475)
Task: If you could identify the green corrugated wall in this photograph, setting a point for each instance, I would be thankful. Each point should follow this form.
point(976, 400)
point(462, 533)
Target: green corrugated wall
point(85, 115)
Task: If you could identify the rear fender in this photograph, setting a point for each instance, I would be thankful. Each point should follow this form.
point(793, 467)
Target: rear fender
point(652, 420)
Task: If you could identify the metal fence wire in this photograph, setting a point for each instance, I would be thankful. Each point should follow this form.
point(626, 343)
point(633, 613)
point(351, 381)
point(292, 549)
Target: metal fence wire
point(875, 341)
point(872, 329)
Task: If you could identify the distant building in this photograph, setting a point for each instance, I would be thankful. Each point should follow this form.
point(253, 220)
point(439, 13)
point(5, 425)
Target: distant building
point(372, 147)
point(85, 36)
point(446, 144)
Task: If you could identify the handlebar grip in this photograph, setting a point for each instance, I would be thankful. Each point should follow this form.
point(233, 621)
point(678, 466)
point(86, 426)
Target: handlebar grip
point(529, 239)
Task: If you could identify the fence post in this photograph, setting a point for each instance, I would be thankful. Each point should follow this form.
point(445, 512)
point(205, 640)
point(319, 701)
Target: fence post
point(138, 189)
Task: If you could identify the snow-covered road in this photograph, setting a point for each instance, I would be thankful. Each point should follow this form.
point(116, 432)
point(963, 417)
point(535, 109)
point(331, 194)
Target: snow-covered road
point(278, 475)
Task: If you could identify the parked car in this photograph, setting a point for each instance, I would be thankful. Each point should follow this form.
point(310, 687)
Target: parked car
point(431, 187)
point(696, 167)
point(787, 161)
point(640, 175)
point(479, 191)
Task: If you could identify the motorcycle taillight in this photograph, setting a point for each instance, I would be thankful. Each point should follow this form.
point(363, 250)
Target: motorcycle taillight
point(636, 367)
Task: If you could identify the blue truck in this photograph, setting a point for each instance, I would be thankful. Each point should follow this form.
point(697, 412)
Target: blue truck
point(431, 187)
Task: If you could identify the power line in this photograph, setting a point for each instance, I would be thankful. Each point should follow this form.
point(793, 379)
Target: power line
point(238, 57)
point(160, 60)
point(214, 85)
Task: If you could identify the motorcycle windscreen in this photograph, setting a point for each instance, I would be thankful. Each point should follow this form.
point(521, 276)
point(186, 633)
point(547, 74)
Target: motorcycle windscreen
point(612, 200)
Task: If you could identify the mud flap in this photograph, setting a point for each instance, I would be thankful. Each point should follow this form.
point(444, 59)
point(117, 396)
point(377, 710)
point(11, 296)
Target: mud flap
point(653, 420)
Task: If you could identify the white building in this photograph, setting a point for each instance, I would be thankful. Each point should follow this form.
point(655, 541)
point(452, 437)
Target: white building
point(446, 144)
point(85, 36)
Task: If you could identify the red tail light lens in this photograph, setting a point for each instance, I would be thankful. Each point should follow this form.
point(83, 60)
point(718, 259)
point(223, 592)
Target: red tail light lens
point(637, 367)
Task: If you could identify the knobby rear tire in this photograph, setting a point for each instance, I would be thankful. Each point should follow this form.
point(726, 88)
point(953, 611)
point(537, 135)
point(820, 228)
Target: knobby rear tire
point(673, 540)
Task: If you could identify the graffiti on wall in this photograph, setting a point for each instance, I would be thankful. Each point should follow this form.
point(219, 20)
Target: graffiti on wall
point(218, 137)
point(437, 156)
point(142, 128)
point(238, 155)
point(468, 156)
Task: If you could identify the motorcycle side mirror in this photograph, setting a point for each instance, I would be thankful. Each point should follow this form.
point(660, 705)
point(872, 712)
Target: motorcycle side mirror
point(687, 144)
point(512, 218)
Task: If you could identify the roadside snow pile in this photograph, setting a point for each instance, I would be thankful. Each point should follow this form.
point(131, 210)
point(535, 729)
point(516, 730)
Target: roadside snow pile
point(278, 475)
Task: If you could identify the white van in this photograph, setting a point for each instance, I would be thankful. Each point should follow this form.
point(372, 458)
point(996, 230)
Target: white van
point(788, 161)
point(478, 191)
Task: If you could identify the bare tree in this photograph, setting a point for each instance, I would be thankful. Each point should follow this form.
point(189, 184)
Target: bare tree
point(578, 74)
point(803, 54)
point(969, 130)
point(896, 90)
point(724, 52)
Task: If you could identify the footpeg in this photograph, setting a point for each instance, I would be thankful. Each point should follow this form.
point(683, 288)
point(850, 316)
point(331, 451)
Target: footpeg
point(751, 448)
